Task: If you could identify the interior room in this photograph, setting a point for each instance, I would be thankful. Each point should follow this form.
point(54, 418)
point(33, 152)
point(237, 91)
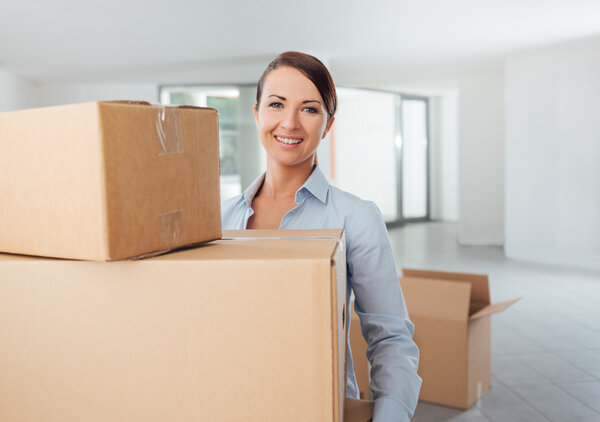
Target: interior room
point(473, 126)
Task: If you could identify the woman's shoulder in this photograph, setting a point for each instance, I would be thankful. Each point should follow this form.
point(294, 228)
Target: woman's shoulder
point(232, 202)
point(363, 222)
point(352, 205)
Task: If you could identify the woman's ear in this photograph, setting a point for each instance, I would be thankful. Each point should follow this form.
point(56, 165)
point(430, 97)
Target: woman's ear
point(327, 127)
point(254, 107)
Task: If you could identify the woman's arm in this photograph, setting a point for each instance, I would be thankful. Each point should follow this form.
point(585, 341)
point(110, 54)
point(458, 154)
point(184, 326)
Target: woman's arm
point(384, 321)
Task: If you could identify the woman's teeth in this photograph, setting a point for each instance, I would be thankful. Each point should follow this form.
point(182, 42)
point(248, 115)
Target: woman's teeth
point(288, 140)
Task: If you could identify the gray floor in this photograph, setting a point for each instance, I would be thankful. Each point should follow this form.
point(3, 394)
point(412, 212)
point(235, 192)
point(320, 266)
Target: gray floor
point(545, 348)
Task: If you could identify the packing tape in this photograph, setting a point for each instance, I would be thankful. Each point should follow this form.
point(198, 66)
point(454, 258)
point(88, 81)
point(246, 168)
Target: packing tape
point(168, 129)
point(479, 394)
point(171, 228)
point(337, 239)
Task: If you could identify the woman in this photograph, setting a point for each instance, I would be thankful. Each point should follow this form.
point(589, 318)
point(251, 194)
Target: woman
point(294, 110)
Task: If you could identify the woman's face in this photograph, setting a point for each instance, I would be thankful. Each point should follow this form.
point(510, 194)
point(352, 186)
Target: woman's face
point(291, 117)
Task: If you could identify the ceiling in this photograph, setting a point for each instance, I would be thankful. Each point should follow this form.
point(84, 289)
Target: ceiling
point(183, 41)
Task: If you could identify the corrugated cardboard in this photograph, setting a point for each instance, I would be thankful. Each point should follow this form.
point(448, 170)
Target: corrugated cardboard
point(452, 329)
point(245, 329)
point(108, 180)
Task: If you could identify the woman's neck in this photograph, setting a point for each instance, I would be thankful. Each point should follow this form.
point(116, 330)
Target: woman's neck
point(283, 181)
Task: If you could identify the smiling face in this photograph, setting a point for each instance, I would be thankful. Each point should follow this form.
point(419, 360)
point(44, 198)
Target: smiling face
point(291, 118)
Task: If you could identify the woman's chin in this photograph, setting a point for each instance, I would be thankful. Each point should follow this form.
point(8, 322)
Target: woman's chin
point(285, 160)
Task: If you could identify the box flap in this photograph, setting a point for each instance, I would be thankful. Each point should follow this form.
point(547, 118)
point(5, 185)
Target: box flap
point(256, 249)
point(480, 292)
point(493, 309)
point(436, 299)
point(337, 235)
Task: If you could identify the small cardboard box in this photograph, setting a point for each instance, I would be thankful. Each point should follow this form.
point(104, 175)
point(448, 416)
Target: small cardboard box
point(235, 330)
point(451, 313)
point(108, 180)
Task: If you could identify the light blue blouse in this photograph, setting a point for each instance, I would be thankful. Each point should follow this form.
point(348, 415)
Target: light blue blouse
point(372, 275)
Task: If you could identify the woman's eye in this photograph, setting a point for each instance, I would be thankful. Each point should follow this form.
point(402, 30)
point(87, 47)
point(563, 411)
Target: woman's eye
point(310, 109)
point(276, 104)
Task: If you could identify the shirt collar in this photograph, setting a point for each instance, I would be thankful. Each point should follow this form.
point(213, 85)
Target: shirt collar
point(316, 184)
point(251, 191)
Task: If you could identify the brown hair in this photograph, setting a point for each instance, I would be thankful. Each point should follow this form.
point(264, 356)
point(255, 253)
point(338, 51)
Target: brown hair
point(312, 68)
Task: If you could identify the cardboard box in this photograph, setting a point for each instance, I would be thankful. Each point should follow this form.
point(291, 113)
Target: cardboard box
point(451, 313)
point(108, 180)
point(248, 329)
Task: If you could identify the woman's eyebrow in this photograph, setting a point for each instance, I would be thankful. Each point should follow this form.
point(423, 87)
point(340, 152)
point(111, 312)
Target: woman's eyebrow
point(285, 99)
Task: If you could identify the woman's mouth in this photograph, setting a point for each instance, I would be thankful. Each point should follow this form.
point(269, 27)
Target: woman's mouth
point(289, 141)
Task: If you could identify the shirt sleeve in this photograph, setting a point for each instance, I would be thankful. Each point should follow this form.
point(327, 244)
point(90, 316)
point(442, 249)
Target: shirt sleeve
point(384, 320)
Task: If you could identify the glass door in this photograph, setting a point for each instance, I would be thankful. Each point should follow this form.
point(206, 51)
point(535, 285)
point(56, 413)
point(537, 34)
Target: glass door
point(414, 159)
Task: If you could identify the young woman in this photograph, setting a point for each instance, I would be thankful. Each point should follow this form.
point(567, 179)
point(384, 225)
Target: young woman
point(294, 110)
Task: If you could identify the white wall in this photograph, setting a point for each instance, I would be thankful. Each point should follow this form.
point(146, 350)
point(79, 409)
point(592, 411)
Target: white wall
point(57, 94)
point(552, 157)
point(364, 132)
point(15, 93)
point(444, 157)
point(481, 159)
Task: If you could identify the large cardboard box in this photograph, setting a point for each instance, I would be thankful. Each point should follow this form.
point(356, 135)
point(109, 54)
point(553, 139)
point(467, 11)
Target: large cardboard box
point(108, 180)
point(247, 329)
point(451, 313)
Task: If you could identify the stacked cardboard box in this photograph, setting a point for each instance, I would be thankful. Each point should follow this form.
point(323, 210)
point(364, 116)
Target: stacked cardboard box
point(251, 327)
point(108, 180)
point(451, 313)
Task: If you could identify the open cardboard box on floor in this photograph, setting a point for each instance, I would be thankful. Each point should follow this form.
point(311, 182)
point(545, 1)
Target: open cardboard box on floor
point(451, 313)
point(108, 180)
point(238, 329)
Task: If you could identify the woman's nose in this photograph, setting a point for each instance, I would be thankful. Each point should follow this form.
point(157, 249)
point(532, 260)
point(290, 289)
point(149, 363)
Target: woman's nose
point(290, 120)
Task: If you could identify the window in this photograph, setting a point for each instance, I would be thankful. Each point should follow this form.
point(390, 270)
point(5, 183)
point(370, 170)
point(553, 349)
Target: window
point(225, 101)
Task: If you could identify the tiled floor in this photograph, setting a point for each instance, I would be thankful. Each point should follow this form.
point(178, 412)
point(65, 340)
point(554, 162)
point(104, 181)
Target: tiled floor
point(545, 348)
